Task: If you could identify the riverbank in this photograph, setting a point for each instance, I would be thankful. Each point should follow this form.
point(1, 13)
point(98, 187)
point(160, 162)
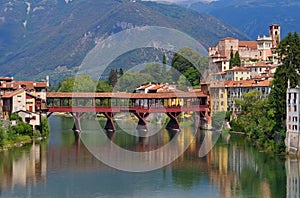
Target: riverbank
point(22, 133)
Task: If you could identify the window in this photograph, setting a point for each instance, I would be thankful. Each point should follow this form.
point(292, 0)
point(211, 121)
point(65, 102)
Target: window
point(19, 98)
point(222, 95)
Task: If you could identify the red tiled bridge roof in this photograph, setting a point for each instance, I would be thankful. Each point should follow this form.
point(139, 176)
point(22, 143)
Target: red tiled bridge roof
point(124, 95)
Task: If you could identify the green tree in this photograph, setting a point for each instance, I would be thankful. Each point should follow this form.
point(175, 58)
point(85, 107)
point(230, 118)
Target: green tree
point(153, 70)
point(23, 128)
point(289, 51)
point(257, 119)
point(235, 60)
point(103, 86)
point(83, 83)
point(2, 134)
point(231, 59)
point(121, 72)
point(131, 80)
point(113, 77)
point(164, 66)
point(67, 85)
point(45, 126)
point(187, 62)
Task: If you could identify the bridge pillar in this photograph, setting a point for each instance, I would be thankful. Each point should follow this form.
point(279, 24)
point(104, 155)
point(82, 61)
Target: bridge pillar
point(77, 125)
point(142, 125)
point(109, 126)
point(173, 123)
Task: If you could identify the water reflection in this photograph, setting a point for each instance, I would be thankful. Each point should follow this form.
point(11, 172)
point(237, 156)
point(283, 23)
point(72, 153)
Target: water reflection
point(23, 166)
point(64, 168)
point(293, 177)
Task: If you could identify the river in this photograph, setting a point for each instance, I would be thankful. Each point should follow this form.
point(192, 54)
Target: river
point(63, 167)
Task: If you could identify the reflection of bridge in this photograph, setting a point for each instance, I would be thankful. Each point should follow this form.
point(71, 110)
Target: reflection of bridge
point(141, 105)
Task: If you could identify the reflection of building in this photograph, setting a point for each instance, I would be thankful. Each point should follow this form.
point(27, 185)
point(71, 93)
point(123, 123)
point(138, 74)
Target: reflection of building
point(292, 177)
point(29, 167)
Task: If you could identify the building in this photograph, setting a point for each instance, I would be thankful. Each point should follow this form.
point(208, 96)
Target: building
point(237, 73)
point(22, 97)
point(235, 90)
point(224, 93)
point(292, 120)
point(218, 94)
point(263, 49)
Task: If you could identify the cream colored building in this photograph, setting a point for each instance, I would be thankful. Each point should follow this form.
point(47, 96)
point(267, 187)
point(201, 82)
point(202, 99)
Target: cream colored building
point(237, 73)
point(218, 93)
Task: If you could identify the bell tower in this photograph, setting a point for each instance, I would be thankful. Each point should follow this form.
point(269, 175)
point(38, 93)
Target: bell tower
point(275, 35)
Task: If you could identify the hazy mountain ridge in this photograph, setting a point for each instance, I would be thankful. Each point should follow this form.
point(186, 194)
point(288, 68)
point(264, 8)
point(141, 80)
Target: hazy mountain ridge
point(53, 36)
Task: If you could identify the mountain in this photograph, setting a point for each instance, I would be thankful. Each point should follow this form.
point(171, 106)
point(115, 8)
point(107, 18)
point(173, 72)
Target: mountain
point(51, 37)
point(253, 17)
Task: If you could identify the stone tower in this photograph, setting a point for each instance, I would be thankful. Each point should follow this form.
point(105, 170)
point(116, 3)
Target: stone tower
point(275, 35)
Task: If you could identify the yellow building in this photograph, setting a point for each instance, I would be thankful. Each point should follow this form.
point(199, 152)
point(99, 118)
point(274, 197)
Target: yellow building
point(218, 92)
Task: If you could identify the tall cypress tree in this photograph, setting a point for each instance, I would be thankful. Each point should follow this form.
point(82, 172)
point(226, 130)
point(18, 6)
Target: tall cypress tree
point(113, 77)
point(231, 61)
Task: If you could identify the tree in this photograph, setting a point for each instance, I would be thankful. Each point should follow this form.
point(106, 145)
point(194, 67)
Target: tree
point(164, 65)
point(67, 85)
point(121, 72)
point(231, 59)
point(2, 135)
point(103, 86)
point(235, 60)
point(45, 126)
point(256, 119)
point(154, 70)
point(187, 62)
point(113, 77)
point(289, 51)
point(83, 83)
point(23, 128)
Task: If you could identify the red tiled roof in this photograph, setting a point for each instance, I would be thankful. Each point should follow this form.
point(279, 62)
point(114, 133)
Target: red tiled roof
point(250, 44)
point(28, 85)
point(11, 94)
point(258, 64)
point(156, 87)
point(218, 84)
point(250, 83)
point(144, 86)
point(239, 69)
